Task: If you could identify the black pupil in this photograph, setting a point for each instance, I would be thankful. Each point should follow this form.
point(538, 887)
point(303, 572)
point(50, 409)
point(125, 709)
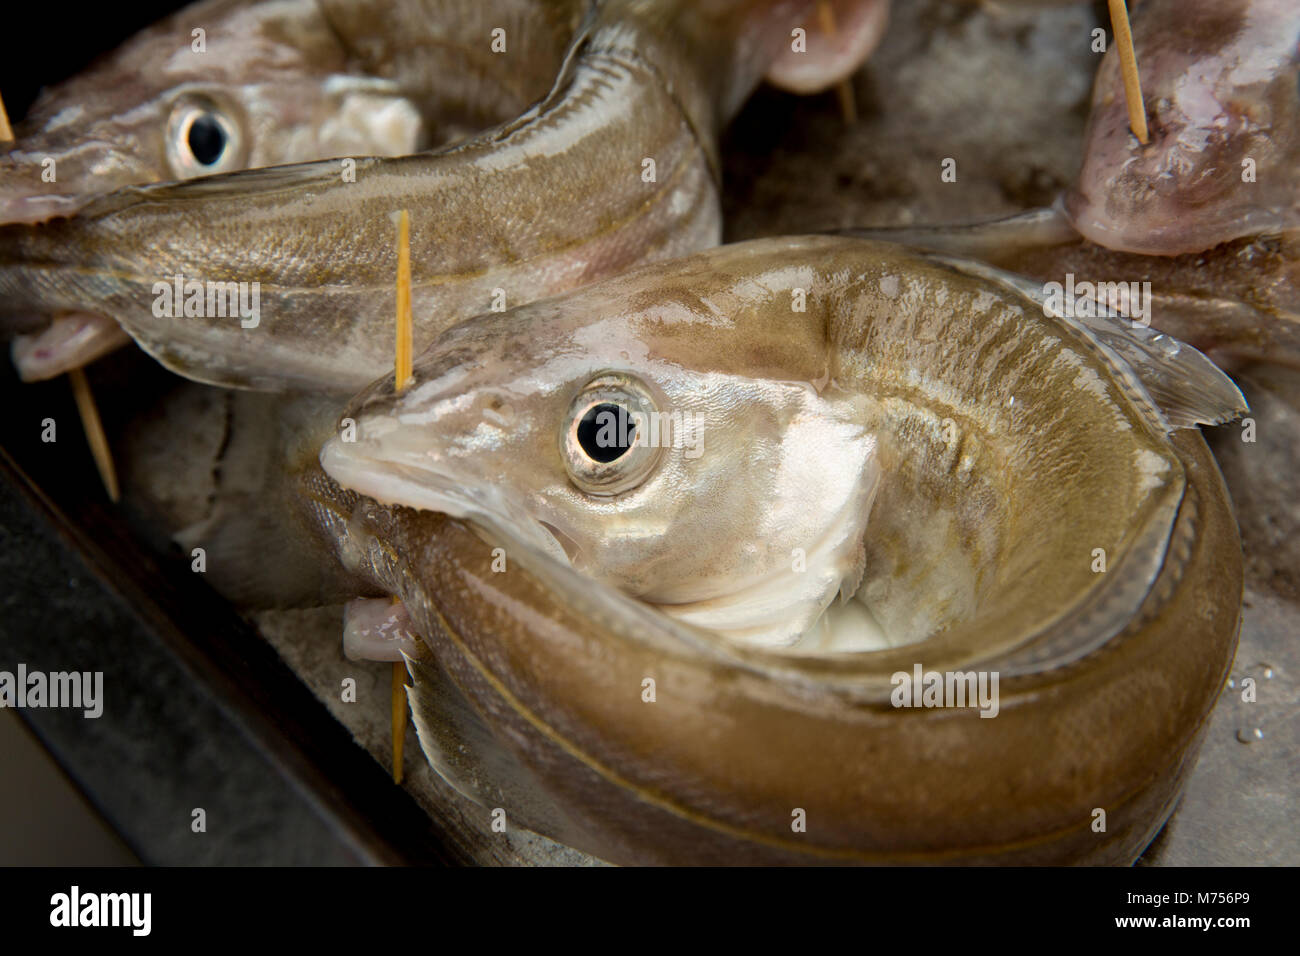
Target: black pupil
point(606, 432)
point(207, 139)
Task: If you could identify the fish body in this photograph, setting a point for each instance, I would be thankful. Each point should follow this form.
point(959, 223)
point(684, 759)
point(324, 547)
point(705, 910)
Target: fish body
point(268, 84)
point(917, 468)
point(1221, 88)
point(614, 167)
point(1239, 301)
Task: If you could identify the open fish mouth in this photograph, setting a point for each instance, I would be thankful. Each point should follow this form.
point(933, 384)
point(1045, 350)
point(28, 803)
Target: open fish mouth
point(424, 489)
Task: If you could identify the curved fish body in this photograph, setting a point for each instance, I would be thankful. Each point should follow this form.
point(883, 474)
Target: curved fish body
point(670, 643)
point(1239, 301)
point(1221, 86)
point(614, 167)
point(268, 83)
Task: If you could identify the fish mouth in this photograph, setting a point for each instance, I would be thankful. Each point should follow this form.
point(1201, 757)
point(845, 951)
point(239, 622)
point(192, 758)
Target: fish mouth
point(68, 342)
point(38, 207)
point(425, 489)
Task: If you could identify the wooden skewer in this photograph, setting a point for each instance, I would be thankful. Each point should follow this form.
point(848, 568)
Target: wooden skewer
point(401, 377)
point(6, 131)
point(848, 104)
point(1137, 112)
point(399, 718)
point(402, 373)
point(95, 436)
point(90, 420)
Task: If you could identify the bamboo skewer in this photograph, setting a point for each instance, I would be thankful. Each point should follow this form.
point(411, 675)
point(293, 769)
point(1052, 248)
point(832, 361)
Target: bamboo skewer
point(1137, 112)
point(90, 421)
point(95, 436)
point(402, 371)
point(6, 131)
point(401, 377)
point(848, 105)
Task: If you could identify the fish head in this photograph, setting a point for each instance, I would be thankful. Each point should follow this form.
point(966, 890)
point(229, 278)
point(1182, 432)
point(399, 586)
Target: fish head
point(1221, 86)
point(266, 86)
point(653, 443)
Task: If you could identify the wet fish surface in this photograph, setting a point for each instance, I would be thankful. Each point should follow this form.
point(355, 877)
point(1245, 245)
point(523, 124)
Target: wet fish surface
point(1221, 86)
point(921, 466)
point(269, 84)
point(615, 166)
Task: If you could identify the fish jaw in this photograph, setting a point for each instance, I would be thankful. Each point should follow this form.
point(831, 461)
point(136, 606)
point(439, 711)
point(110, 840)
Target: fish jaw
point(70, 341)
point(831, 57)
point(1220, 89)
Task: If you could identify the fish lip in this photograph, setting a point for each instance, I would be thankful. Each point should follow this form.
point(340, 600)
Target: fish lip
point(423, 489)
point(36, 208)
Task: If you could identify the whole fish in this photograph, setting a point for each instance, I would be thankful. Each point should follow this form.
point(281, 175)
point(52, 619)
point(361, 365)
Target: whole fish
point(1221, 86)
point(283, 278)
point(268, 83)
point(676, 635)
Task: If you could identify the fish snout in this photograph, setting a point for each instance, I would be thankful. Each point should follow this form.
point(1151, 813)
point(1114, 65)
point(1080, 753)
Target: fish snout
point(39, 181)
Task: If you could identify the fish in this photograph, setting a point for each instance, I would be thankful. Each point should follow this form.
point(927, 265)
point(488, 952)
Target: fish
point(270, 84)
point(1221, 88)
point(1239, 301)
point(683, 643)
point(615, 165)
point(1206, 215)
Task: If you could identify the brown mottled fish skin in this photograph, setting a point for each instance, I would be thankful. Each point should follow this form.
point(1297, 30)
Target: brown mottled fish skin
point(1239, 301)
point(1107, 681)
point(533, 207)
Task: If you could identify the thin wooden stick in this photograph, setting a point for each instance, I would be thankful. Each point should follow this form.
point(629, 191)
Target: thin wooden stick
point(1137, 111)
point(401, 377)
point(399, 718)
point(6, 131)
point(848, 104)
point(95, 436)
point(402, 373)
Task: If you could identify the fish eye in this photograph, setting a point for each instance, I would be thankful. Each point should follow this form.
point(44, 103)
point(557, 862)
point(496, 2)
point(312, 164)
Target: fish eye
point(606, 442)
point(606, 432)
point(202, 139)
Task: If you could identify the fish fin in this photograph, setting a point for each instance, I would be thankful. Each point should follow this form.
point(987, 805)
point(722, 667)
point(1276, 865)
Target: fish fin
point(992, 240)
point(1179, 384)
point(463, 750)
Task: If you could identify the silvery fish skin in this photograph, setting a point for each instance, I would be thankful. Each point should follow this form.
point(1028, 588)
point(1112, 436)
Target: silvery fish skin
point(273, 83)
point(616, 166)
point(1221, 85)
point(1003, 447)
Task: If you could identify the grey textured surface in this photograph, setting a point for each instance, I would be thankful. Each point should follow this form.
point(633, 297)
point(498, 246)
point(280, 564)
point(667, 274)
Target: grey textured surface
point(1003, 92)
point(162, 747)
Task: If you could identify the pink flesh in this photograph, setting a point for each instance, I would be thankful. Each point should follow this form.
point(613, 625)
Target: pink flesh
point(859, 27)
point(377, 629)
point(69, 342)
